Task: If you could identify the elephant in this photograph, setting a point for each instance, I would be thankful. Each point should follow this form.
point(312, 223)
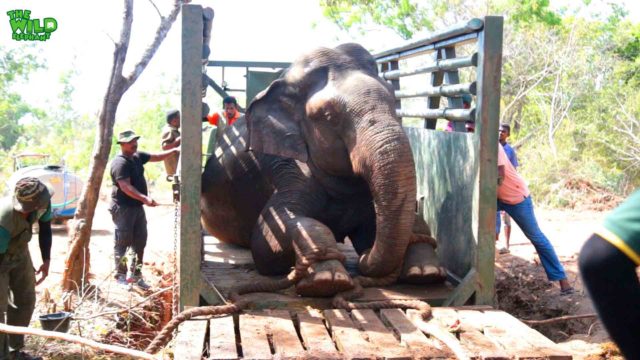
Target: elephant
point(320, 156)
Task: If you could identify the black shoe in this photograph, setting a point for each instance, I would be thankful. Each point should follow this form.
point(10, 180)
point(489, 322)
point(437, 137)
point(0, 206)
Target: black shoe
point(139, 282)
point(21, 355)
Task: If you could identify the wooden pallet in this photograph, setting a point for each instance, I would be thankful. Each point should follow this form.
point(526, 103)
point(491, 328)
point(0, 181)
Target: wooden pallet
point(225, 266)
point(361, 334)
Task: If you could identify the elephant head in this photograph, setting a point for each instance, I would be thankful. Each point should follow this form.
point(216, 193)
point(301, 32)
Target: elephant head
point(331, 109)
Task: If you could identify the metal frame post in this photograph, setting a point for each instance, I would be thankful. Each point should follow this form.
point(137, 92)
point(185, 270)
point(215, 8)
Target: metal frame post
point(190, 156)
point(487, 115)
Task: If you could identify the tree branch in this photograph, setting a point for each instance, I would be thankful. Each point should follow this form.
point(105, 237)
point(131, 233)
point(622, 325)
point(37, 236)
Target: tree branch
point(161, 33)
point(127, 309)
point(125, 36)
point(9, 329)
point(158, 10)
point(559, 319)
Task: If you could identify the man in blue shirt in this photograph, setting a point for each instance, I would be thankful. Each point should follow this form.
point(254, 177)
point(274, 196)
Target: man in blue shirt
point(505, 131)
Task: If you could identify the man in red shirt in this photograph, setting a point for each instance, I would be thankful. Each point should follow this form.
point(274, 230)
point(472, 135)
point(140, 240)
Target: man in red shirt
point(228, 116)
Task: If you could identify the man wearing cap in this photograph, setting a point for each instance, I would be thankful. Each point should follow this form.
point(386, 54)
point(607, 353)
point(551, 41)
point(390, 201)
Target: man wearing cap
point(170, 140)
point(127, 197)
point(31, 202)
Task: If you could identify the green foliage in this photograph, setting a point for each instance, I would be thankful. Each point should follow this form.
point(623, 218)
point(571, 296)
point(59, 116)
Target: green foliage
point(15, 67)
point(526, 12)
point(403, 16)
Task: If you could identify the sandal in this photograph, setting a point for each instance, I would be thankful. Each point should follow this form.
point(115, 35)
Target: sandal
point(567, 291)
point(503, 251)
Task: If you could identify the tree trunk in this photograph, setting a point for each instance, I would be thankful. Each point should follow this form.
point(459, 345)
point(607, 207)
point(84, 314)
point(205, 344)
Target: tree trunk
point(77, 263)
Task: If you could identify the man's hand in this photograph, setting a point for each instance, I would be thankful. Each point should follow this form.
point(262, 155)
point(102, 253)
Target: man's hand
point(44, 270)
point(150, 202)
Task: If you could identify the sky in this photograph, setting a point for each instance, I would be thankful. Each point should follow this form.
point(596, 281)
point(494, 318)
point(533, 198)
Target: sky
point(277, 30)
point(258, 30)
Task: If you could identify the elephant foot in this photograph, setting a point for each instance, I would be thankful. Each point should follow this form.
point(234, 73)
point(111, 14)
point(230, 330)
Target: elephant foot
point(325, 278)
point(421, 265)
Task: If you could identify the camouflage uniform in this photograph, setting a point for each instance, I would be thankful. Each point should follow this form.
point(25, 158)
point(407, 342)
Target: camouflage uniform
point(17, 274)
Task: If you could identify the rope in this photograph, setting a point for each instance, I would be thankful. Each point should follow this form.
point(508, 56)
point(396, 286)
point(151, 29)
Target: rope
point(166, 334)
point(344, 299)
point(341, 300)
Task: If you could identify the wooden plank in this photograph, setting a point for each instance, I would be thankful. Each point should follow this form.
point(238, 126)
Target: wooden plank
point(378, 334)
point(472, 323)
point(315, 336)
point(347, 337)
point(516, 347)
point(464, 290)
point(190, 340)
point(441, 326)
point(285, 337)
point(538, 342)
point(253, 336)
point(448, 319)
point(486, 147)
point(191, 156)
point(421, 346)
point(222, 339)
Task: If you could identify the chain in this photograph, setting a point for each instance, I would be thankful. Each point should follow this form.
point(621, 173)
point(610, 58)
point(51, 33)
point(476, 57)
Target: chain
point(175, 305)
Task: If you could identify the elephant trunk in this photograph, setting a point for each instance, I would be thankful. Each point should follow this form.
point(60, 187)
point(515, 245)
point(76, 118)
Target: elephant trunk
point(385, 161)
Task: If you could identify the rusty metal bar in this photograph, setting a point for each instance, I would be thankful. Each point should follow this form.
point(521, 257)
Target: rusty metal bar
point(471, 26)
point(438, 65)
point(446, 113)
point(457, 41)
point(260, 64)
point(442, 90)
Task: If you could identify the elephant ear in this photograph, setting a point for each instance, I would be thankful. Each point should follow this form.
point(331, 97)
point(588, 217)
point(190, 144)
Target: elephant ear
point(272, 125)
point(274, 117)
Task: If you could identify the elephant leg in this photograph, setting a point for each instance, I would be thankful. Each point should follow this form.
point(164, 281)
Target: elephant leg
point(283, 239)
point(421, 264)
point(316, 245)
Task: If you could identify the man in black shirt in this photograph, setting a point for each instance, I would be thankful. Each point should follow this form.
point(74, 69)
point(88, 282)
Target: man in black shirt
point(128, 195)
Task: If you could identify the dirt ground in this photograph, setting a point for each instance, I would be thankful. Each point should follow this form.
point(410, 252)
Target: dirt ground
point(522, 288)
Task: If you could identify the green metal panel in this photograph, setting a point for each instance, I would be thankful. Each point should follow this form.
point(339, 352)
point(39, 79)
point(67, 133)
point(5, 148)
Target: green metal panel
point(258, 81)
point(447, 172)
point(190, 156)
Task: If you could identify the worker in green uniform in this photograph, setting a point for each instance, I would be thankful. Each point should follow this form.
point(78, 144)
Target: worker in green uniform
point(608, 263)
point(31, 202)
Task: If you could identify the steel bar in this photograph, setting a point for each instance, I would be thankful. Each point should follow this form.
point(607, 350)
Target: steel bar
point(446, 113)
point(245, 64)
point(442, 90)
point(488, 105)
point(218, 89)
point(439, 65)
point(190, 156)
point(459, 40)
point(453, 77)
point(470, 26)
